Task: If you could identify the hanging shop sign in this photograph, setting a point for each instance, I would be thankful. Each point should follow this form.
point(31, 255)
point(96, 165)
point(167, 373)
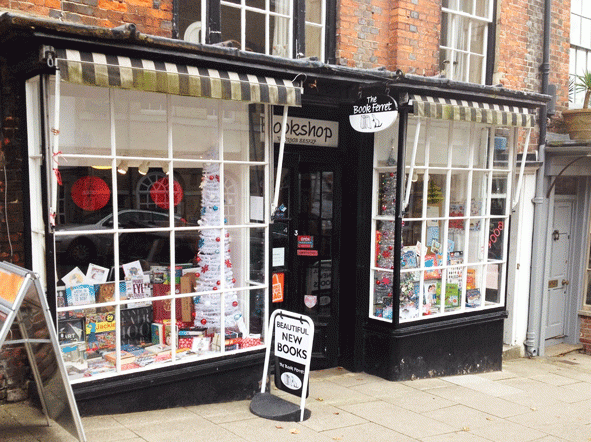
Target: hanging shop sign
point(373, 113)
point(307, 132)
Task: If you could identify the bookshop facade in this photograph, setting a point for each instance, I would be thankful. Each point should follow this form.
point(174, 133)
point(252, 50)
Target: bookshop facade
point(164, 242)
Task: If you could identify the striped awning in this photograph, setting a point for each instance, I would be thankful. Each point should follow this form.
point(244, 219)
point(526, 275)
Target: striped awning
point(472, 111)
point(95, 69)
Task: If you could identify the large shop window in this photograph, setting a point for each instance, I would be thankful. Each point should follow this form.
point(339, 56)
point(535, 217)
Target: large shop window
point(456, 201)
point(161, 230)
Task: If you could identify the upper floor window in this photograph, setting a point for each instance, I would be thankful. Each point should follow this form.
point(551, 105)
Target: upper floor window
point(286, 28)
point(580, 45)
point(464, 39)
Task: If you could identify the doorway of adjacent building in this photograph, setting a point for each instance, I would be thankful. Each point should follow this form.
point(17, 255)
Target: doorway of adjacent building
point(556, 327)
point(309, 220)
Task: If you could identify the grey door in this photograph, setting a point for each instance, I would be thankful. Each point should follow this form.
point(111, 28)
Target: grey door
point(559, 275)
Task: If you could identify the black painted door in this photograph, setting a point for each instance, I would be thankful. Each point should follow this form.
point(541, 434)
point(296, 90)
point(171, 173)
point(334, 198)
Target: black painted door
point(309, 223)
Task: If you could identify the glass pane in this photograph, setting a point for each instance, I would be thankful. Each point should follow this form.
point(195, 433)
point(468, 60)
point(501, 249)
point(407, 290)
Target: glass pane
point(409, 295)
point(446, 62)
point(385, 248)
point(439, 143)
point(237, 122)
point(231, 25)
point(140, 123)
point(313, 41)
point(481, 149)
point(255, 32)
point(85, 335)
point(386, 146)
point(461, 27)
point(575, 30)
point(575, 6)
point(588, 296)
point(446, 29)
point(479, 198)
point(476, 66)
point(382, 295)
point(586, 9)
point(410, 136)
point(411, 235)
point(467, 6)
point(482, 8)
point(586, 33)
point(256, 253)
point(496, 239)
point(415, 202)
point(314, 12)
point(460, 67)
point(493, 283)
point(473, 287)
point(460, 145)
point(195, 128)
point(260, 4)
point(84, 119)
point(458, 193)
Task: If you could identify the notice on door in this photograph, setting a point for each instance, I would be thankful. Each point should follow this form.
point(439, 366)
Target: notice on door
point(293, 352)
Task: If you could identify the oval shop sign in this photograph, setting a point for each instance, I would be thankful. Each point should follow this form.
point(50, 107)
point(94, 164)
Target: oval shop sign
point(373, 113)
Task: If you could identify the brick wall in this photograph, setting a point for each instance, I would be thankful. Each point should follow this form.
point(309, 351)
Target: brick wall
point(152, 17)
point(14, 372)
point(585, 333)
point(396, 34)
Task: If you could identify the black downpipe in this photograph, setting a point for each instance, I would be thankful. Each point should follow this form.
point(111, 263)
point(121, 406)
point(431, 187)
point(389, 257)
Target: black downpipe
point(536, 287)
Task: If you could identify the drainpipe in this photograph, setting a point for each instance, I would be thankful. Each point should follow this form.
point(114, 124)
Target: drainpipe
point(533, 346)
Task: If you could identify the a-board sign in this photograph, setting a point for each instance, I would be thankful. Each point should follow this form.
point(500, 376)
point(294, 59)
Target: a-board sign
point(373, 113)
point(23, 304)
point(293, 352)
point(294, 335)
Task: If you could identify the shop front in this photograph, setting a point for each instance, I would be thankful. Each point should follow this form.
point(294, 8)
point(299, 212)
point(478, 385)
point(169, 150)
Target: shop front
point(179, 193)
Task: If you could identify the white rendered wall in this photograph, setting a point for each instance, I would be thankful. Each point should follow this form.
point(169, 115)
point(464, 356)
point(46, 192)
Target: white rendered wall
point(519, 265)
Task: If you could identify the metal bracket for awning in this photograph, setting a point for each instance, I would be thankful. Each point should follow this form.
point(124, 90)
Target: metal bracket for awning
point(521, 170)
point(279, 161)
point(413, 158)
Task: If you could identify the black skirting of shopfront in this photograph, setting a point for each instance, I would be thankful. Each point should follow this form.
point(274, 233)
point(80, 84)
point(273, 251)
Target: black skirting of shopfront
point(212, 381)
point(444, 348)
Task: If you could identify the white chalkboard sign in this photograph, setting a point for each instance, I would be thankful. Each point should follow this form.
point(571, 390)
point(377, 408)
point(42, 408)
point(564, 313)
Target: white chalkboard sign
point(23, 303)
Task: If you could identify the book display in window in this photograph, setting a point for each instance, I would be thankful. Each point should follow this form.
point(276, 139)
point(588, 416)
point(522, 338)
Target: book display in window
point(385, 252)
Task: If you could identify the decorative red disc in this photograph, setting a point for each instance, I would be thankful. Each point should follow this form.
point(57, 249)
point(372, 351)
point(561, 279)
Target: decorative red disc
point(91, 193)
point(159, 193)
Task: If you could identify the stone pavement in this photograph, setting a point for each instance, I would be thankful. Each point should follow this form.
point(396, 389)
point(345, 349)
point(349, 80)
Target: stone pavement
point(543, 399)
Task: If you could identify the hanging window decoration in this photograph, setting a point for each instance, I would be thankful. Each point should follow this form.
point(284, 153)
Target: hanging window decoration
point(159, 193)
point(91, 193)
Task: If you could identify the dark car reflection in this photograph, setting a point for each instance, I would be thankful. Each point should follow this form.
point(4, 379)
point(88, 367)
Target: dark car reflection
point(90, 245)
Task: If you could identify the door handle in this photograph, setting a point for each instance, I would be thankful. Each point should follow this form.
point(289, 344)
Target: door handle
point(565, 282)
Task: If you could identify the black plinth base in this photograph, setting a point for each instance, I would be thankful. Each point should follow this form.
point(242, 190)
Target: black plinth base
point(267, 406)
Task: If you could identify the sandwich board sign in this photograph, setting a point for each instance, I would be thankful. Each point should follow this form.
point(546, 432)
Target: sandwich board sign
point(23, 303)
point(292, 349)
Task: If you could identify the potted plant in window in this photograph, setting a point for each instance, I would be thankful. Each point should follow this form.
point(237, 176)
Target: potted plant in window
point(578, 121)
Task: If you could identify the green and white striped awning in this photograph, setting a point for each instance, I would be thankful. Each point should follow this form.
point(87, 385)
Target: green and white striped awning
point(472, 111)
point(95, 69)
